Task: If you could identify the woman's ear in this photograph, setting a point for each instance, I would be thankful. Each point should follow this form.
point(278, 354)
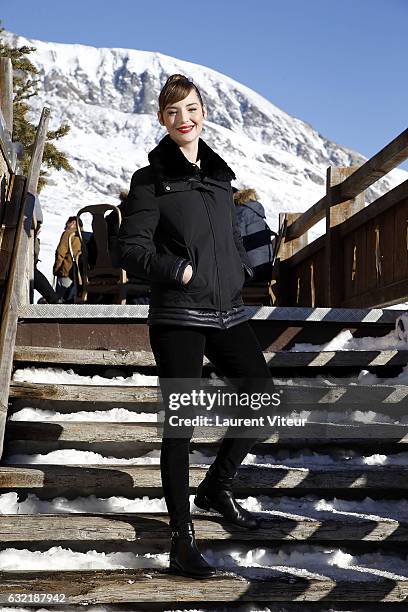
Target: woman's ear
point(204, 111)
point(159, 116)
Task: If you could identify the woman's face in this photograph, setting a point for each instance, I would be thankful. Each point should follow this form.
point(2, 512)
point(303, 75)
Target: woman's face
point(184, 119)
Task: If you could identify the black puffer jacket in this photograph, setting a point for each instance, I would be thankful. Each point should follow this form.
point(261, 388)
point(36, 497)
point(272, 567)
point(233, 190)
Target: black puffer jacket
point(176, 214)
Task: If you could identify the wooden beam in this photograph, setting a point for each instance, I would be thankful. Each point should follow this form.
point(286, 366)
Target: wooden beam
point(229, 585)
point(291, 246)
point(138, 314)
point(141, 528)
point(38, 151)
point(336, 214)
point(129, 479)
point(26, 285)
point(12, 210)
point(9, 316)
point(319, 394)
point(385, 202)
point(6, 93)
point(36, 434)
point(278, 359)
point(311, 249)
point(391, 156)
point(307, 219)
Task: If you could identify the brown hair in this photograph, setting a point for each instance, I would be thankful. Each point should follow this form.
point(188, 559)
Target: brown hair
point(123, 195)
point(176, 88)
point(245, 195)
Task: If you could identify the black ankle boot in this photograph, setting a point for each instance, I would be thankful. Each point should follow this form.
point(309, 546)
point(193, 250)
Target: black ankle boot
point(215, 493)
point(185, 558)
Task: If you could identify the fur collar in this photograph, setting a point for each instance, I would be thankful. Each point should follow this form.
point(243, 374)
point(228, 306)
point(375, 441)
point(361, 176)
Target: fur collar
point(168, 162)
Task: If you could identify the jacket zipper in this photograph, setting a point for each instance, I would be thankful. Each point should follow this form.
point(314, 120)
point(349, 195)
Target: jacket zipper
point(216, 262)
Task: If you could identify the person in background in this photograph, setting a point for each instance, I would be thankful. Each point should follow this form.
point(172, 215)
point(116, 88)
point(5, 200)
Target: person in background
point(63, 265)
point(256, 233)
point(41, 283)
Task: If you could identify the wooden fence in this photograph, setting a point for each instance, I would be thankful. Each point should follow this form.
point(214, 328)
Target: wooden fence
point(17, 223)
point(362, 259)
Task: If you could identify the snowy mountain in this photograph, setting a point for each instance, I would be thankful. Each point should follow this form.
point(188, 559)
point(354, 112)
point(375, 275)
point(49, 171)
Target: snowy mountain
point(109, 98)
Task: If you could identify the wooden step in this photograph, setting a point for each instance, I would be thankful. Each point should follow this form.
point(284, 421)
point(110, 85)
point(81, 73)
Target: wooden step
point(36, 434)
point(278, 359)
point(319, 396)
point(285, 314)
point(242, 584)
point(148, 527)
point(251, 479)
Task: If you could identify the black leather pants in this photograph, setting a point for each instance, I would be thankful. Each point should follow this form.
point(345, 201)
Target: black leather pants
point(179, 350)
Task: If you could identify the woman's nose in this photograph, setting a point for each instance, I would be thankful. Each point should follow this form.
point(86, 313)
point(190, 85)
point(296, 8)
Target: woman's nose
point(184, 115)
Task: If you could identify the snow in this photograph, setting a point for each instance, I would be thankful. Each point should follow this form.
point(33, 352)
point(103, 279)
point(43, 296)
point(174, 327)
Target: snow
point(309, 506)
point(112, 415)
point(321, 561)
point(301, 458)
point(69, 377)
point(397, 340)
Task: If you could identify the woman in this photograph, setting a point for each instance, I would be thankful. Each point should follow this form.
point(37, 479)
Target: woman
point(179, 231)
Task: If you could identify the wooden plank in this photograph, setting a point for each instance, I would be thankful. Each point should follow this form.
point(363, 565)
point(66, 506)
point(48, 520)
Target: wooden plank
point(6, 113)
point(391, 199)
point(25, 285)
point(307, 220)
point(117, 479)
point(371, 171)
point(98, 312)
point(279, 359)
point(336, 214)
point(390, 157)
point(145, 527)
point(38, 433)
point(12, 210)
point(401, 241)
point(380, 296)
point(318, 395)
point(238, 584)
point(45, 354)
point(8, 326)
point(6, 92)
point(306, 252)
point(290, 247)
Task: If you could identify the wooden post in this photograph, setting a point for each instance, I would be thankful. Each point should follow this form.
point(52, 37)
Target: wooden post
point(6, 93)
point(335, 215)
point(287, 249)
point(27, 286)
point(290, 247)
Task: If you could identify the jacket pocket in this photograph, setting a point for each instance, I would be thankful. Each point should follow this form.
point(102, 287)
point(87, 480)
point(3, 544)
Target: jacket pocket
point(196, 282)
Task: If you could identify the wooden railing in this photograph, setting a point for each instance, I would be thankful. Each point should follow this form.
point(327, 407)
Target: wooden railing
point(362, 259)
point(17, 199)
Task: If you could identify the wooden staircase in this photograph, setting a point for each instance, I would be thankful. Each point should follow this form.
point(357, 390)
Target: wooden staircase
point(145, 587)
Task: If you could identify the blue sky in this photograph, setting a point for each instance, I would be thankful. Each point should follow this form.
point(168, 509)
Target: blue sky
point(341, 66)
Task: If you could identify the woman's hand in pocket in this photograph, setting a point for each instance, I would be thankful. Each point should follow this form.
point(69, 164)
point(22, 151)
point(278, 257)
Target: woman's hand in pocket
point(188, 273)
